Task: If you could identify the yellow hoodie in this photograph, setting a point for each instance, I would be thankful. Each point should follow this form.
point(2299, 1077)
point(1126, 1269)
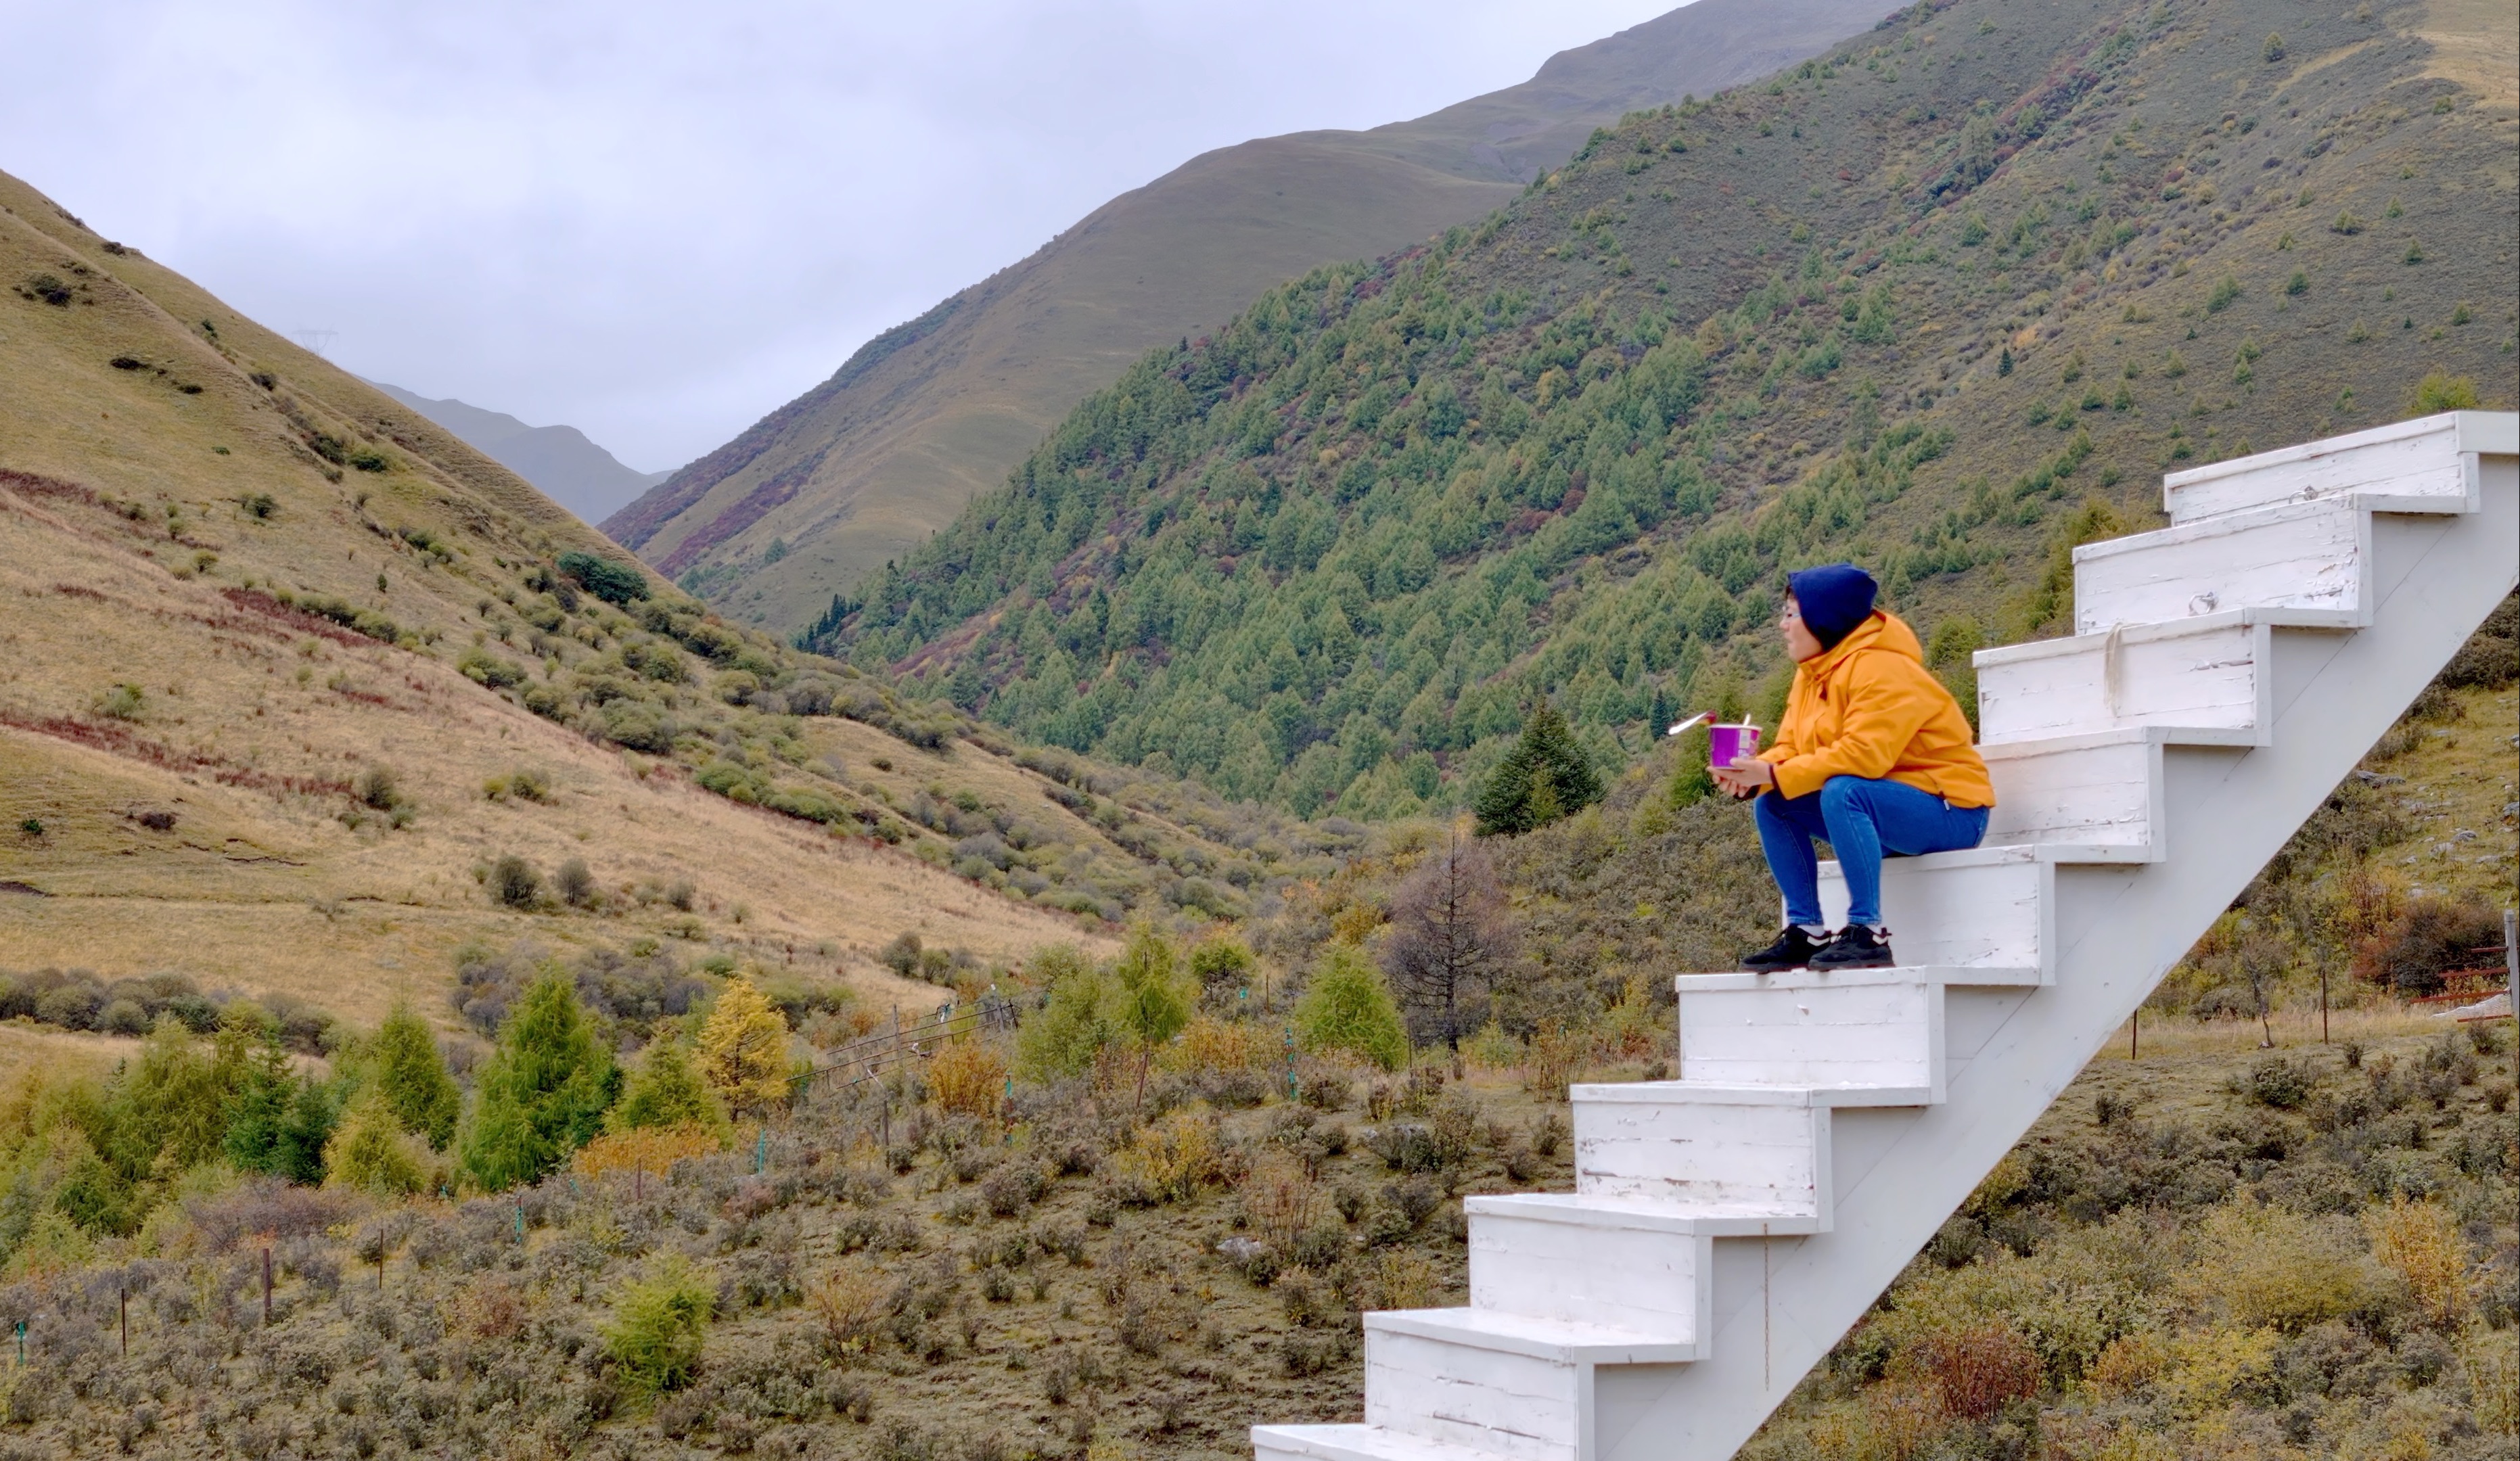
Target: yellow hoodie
point(1870, 708)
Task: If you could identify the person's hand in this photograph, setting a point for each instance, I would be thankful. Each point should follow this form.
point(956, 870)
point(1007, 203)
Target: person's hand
point(1745, 779)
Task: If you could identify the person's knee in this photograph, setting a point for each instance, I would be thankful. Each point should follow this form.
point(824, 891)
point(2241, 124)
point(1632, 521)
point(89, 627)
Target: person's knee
point(1839, 795)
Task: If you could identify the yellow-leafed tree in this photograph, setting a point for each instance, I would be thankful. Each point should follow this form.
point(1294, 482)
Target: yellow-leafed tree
point(743, 1049)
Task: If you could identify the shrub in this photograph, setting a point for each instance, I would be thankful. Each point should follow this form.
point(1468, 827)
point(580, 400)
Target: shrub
point(850, 1298)
point(259, 505)
point(967, 1079)
point(2281, 1084)
point(121, 703)
point(2275, 1268)
point(2421, 1243)
point(649, 1148)
point(49, 288)
point(614, 583)
point(2415, 952)
point(1977, 1368)
point(482, 667)
point(514, 882)
point(575, 882)
point(2225, 289)
point(375, 788)
point(1347, 1008)
point(659, 1326)
point(2441, 392)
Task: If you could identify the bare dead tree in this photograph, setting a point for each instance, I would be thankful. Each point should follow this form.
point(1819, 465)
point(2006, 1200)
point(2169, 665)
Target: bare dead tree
point(1451, 935)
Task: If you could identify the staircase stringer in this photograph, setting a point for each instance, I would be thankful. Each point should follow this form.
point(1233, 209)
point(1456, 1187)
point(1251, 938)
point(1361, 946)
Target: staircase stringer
point(1781, 1303)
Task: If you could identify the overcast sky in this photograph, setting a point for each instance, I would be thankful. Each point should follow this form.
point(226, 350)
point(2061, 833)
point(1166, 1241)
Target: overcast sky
point(658, 222)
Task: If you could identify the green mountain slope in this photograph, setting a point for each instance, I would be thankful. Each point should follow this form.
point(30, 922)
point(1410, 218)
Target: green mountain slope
point(861, 469)
point(1914, 303)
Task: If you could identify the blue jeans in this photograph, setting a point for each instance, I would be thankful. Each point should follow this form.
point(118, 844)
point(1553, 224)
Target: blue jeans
point(1862, 820)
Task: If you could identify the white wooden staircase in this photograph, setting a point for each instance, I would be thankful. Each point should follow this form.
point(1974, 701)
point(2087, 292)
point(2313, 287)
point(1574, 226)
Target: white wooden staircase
point(1728, 1226)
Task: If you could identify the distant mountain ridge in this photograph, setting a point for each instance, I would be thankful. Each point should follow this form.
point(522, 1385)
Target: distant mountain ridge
point(866, 466)
point(1946, 300)
point(569, 468)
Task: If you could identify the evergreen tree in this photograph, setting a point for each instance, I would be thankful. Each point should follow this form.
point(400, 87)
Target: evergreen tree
point(1347, 1008)
point(543, 1094)
point(372, 1152)
point(665, 1091)
point(1543, 778)
point(1072, 1028)
point(258, 1113)
point(405, 1064)
point(307, 1132)
point(168, 1107)
point(1150, 1008)
point(743, 1049)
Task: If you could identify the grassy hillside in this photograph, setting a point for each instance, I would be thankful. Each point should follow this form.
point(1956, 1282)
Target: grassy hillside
point(1939, 301)
point(864, 467)
point(289, 668)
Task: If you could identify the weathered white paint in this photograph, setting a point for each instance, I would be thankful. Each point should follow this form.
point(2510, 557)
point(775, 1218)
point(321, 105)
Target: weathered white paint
point(2096, 790)
point(1748, 1153)
point(1856, 1035)
point(2202, 682)
point(2429, 465)
point(1985, 908)
point(1792, 1265)
point(1353, 1444)
point(2307, 557)
point(1622, 1265)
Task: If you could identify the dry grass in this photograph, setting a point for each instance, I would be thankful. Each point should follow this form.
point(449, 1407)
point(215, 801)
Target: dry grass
point(253, 725)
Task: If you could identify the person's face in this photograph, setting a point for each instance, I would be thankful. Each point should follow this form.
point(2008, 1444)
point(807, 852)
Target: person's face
point(1800, 641)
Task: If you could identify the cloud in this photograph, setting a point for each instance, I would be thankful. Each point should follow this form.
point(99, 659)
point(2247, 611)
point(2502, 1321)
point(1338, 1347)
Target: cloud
point(656, 222)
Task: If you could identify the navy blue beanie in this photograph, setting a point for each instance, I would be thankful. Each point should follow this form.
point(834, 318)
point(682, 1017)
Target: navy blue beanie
point(1834, 599)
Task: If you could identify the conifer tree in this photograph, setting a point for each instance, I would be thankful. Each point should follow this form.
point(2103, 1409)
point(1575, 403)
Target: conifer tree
point(1150, 1006)
point(1073, 1026)
point(1347, 1008)
point(406, 1066)
point(743, 1049)
point(372, 1152)
point(1545, 777)
point(665, 1091)
point(543, 1094)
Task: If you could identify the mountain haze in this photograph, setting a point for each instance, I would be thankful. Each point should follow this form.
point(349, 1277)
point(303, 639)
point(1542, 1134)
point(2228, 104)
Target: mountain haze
point(558, 461)
point(866, 466)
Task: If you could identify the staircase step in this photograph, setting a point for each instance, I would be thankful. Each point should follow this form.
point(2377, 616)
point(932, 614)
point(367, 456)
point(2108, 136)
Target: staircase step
point(2424, 465)
point(1751, 1156)
point(1989, 909)
point(2310, 557)
point(2205, 680)
point(1628, 1266)
point(1355, 1443)
point(1877, 1042)
point(1511, 1385)
point(1948, 975)
point(2097, 791)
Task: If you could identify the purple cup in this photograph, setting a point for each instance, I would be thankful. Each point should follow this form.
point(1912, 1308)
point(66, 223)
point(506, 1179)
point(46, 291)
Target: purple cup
point(1726, 744)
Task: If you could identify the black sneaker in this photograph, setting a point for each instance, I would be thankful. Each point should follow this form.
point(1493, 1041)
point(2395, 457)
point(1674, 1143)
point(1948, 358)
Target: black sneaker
point(1855, 947)
point(1793, 949)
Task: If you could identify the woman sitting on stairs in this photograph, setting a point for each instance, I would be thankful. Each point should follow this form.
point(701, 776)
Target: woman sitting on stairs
point(1873, 755)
